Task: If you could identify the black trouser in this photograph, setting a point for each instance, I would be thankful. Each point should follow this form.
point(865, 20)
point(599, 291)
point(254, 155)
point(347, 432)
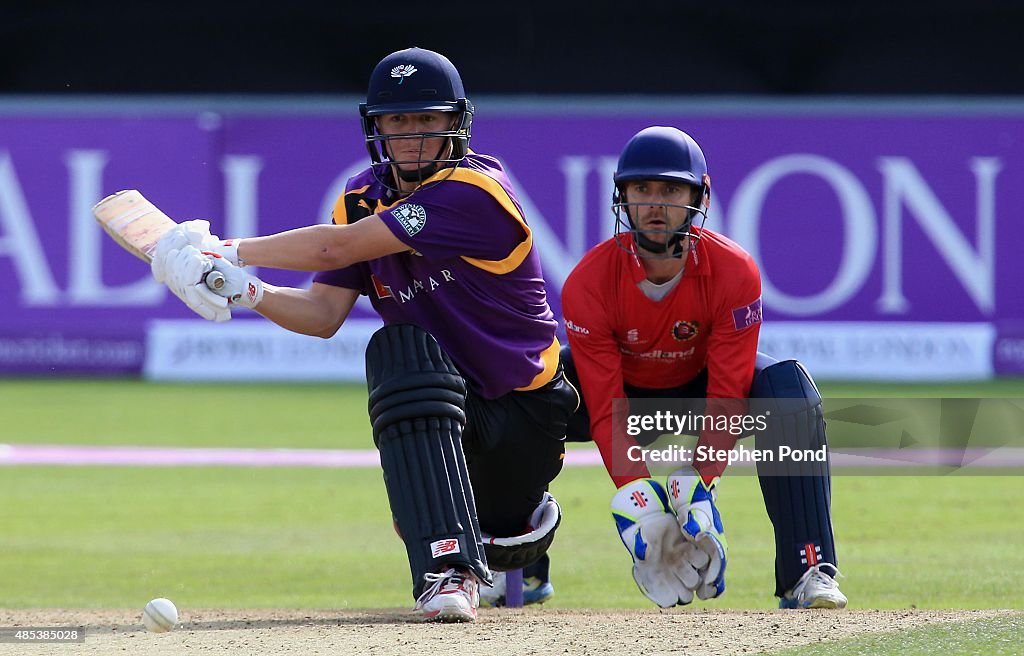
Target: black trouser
point(579, 425)
point(514, 447)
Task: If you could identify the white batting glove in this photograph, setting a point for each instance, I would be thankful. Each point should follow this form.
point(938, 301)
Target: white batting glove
point(188, 233)
point(701, 526)
point(185, 270)
point(239, 288)
point(661, 557)
point(228, 249)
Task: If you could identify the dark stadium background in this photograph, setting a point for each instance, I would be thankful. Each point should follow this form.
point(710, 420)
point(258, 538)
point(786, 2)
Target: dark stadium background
point(731, 48)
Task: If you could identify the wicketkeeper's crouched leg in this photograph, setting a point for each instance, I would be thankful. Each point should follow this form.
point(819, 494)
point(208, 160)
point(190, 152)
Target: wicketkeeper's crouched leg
point(797, 493)
point(417, 409)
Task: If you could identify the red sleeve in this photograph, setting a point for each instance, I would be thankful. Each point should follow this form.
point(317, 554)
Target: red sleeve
point(732, 352)
point(595, 354)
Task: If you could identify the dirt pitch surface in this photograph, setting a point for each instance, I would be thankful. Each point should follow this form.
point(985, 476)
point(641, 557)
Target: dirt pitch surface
point(499, 632)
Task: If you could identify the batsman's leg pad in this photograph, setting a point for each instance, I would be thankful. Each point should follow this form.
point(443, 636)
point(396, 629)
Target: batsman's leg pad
point(797, 494)
point(417, 409)
point(521, 551)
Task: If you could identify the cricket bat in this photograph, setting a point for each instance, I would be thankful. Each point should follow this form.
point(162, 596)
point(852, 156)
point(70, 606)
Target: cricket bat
point(137, 225)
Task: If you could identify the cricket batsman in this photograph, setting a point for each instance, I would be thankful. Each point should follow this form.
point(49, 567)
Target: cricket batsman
point(467, 399)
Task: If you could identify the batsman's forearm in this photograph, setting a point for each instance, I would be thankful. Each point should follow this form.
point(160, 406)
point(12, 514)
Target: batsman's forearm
point(296, 310)
point(314, 248)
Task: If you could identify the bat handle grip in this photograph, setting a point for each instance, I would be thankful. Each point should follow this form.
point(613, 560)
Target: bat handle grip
point(214, 280)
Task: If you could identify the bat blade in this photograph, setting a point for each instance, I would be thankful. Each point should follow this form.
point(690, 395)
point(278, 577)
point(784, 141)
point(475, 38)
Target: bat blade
point(134, 222)
point(137, 225)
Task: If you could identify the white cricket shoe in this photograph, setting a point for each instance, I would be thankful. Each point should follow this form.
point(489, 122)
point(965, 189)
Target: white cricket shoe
point(815, 589)
point(453, 597)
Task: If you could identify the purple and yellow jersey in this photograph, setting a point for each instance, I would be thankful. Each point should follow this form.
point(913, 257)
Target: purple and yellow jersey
point(471, 278)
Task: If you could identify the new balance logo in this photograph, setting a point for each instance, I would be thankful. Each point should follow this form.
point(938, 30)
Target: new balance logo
point(444, 547)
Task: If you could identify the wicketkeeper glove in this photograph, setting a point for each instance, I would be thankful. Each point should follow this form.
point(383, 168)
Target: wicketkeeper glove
point(239, 288)
point(184, 272)
point(701, 525)
point(647, 526)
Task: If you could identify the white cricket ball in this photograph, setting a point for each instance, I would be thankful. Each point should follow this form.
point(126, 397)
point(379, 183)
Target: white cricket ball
point(160, 615)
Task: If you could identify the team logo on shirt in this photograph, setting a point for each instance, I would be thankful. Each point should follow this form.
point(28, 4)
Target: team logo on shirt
point(746, 316)
point(383, 291)
point(412, 217)
point(428, 285)
point(403, 71)
point(633, 335)
point(684, 331)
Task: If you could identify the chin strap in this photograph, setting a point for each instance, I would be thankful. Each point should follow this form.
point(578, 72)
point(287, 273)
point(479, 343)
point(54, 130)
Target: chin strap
point(421, 174)
point(675, 242)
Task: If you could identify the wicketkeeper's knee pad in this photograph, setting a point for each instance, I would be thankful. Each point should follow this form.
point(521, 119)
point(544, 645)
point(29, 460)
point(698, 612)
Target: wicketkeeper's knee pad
point(796, 488)
point(789, 402)
point(417, 409)
point(523, 550)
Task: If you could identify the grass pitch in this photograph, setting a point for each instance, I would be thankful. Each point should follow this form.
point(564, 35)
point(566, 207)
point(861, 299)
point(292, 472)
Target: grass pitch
point(115, 537)
point(299, 538)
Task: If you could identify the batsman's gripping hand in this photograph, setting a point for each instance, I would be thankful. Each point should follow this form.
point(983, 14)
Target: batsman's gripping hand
point(192, 233)
point(188, 233)
point(239, 288)
point(648, 528)
point(701, 525)
point(183, 270)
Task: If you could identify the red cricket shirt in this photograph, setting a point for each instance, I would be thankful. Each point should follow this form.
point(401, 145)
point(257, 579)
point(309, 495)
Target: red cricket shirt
point(711, 319)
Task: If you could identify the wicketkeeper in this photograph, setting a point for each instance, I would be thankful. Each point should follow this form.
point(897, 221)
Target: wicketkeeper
point(669, 310)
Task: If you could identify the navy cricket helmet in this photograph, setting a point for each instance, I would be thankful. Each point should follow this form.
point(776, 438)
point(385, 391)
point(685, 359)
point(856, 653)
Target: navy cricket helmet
point(667, 154)
point(417, 80)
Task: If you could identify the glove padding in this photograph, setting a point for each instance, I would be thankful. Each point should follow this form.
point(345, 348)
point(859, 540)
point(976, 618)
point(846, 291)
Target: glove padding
point(239, 288)
point(188, 233)
point(701, 525)
point(184, 271)
point(662, 559)
point(228, 249)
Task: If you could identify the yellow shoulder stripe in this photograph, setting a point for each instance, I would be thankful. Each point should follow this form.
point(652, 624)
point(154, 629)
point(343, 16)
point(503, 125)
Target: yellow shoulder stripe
point(491, 186)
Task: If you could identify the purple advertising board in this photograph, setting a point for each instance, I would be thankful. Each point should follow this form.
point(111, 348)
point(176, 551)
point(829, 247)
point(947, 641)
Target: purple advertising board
point(869, 219)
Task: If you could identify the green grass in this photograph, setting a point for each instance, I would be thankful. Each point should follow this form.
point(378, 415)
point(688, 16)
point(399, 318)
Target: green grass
point(222, 537)
point(999, 388)
point(212, 537)
point(162, 414)
point(63, 411)
point(992, 637)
